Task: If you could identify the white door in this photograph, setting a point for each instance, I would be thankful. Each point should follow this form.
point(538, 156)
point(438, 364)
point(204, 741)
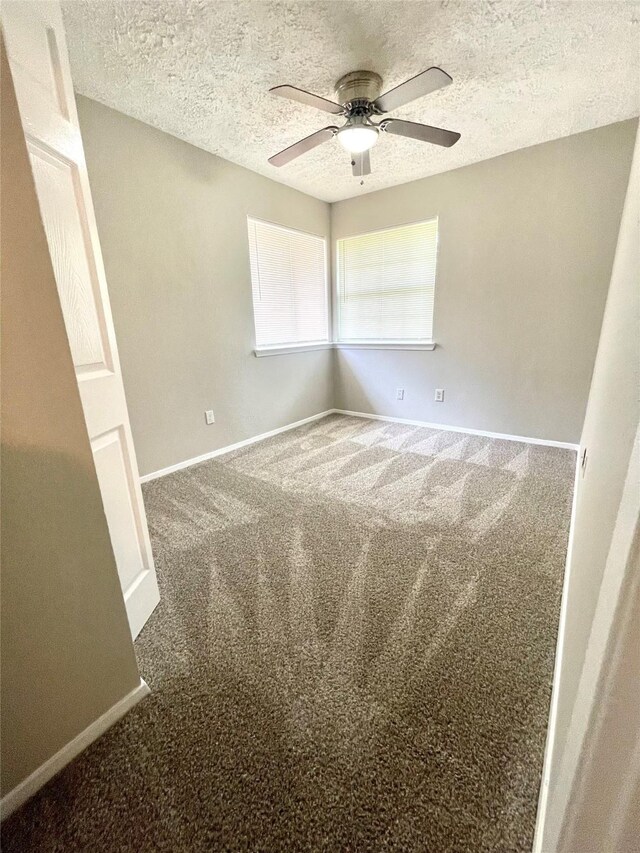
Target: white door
point(37, 51)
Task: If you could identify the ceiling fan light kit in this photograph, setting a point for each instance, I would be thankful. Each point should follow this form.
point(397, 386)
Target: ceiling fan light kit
point(358, 136)
point(358, 100)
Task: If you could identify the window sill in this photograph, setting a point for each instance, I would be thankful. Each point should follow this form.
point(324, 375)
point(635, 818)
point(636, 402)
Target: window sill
point(287, 348)
point(397, 345)
point(381, 345)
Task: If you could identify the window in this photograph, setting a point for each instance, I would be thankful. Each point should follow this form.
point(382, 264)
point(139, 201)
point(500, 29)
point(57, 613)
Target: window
point(289, 283)
point(386, 284)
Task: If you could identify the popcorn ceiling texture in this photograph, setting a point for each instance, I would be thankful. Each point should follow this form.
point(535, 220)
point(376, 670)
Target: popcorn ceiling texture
point(524, 73)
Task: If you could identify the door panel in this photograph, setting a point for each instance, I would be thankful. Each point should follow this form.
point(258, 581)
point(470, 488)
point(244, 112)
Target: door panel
point(36, 47)
point(59, 197)
point(111, 468)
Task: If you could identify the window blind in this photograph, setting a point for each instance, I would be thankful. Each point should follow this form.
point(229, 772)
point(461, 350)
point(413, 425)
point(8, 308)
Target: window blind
point(386, 284)
point(289, 285)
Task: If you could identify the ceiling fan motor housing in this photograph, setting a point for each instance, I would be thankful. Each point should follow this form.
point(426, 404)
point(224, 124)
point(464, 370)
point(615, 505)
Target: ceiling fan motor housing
point(358, 89)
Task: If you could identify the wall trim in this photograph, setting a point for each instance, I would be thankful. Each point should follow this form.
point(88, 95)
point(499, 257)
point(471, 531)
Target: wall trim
point(547, 762)
point(287, 349)
point(29, 786)
point(384, 345)
point(504, 436)
point(220, 451)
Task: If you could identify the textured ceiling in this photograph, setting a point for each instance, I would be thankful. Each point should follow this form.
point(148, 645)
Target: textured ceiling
point(523, 72)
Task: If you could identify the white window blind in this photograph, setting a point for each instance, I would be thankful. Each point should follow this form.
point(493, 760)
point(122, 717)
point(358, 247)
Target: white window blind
point(386, 284)
point(289, 283)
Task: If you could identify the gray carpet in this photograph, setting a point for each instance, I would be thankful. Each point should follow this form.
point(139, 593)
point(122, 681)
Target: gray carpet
point(353, 652)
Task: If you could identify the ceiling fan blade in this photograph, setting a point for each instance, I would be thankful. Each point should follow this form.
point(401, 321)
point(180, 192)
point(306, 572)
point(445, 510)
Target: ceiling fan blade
point(308, 98)
point(422, 84)
point(304, 145)
point(424, 132)
point(361, 164)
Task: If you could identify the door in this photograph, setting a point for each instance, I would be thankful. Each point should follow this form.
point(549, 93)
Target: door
point(36, 47)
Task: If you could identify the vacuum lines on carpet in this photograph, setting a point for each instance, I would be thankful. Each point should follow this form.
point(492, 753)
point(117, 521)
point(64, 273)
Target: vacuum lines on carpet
point(353, 651)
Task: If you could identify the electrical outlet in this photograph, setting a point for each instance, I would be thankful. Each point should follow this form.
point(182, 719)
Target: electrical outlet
point(399, 393)
point(208, 416)
point(439, 395)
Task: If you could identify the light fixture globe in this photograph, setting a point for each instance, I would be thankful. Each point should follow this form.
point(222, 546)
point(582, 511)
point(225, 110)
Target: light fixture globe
point(357, 138)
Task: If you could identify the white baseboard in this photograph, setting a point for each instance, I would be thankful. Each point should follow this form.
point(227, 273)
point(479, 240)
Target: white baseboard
point(504, 436)
point(543, 795)
point(145, 478)
point(29, 786)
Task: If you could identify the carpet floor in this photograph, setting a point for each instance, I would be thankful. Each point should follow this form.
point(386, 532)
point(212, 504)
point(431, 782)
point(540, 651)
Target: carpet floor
point(353, 652)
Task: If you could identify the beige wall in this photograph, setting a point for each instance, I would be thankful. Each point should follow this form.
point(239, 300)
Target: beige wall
point(526, 247)
point(67, 655)
point(526, 244)
point(172, 223)
point(610, 427)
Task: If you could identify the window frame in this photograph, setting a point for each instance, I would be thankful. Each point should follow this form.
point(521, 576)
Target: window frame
point(384, 343)
point(299, 346)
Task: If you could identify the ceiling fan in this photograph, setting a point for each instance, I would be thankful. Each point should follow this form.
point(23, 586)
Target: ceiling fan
point(358, 100)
